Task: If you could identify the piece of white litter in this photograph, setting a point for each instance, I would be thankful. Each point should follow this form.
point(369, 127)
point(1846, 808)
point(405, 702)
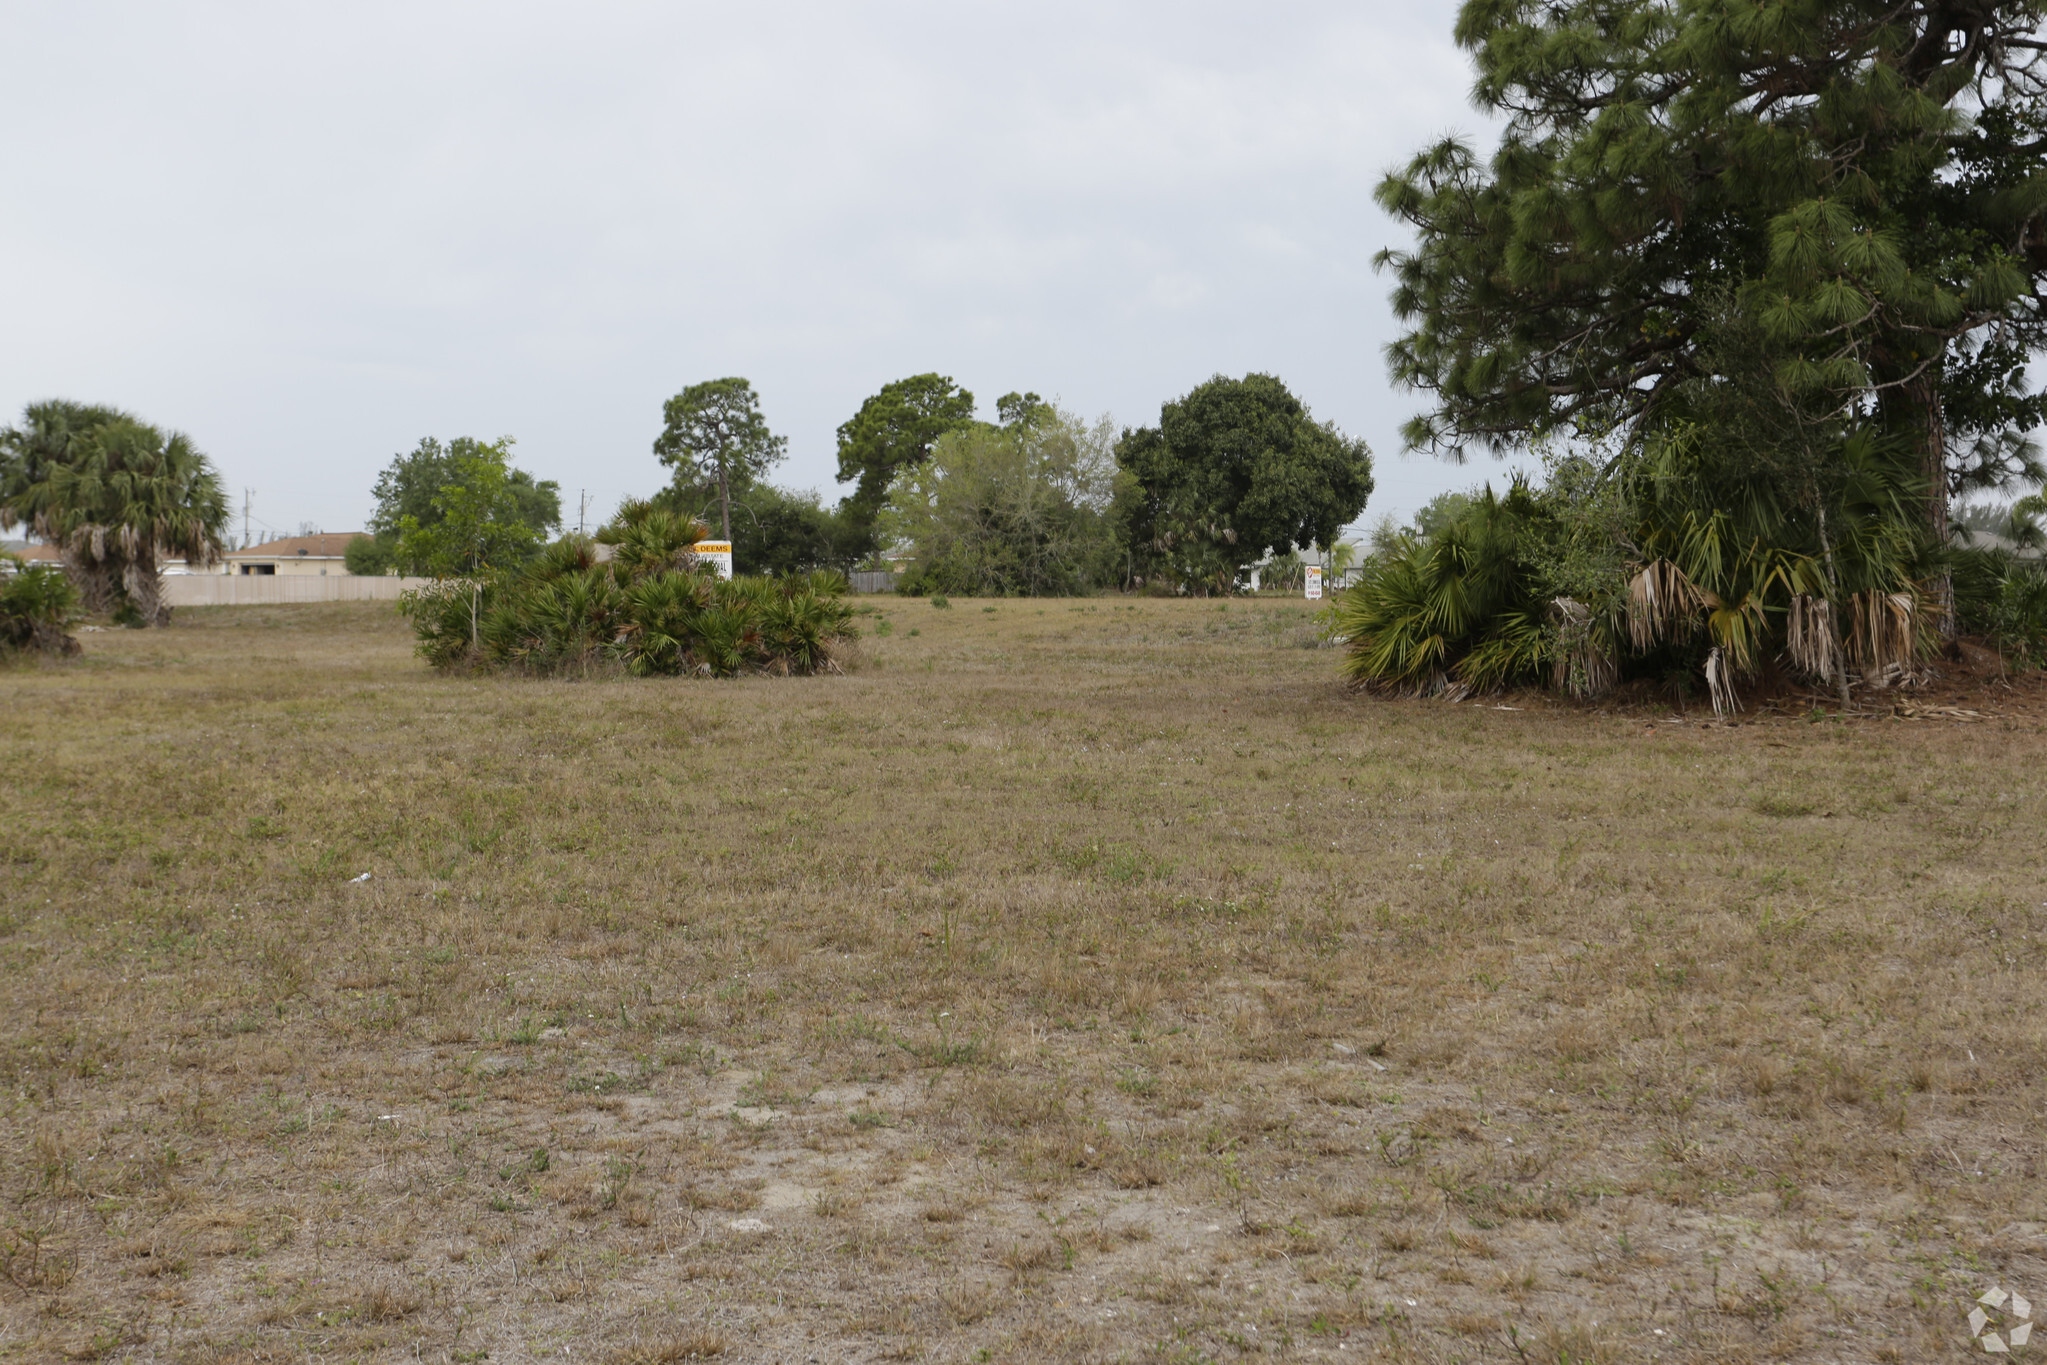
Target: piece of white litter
point(748, 1225)
point(1215, 1227)
point(1375, 1066)
point(1991, 1298)
point(2022, 1334)
point(363, 878)
point(1346, 1051)
point(1977, 1318)
point(2019, 1307)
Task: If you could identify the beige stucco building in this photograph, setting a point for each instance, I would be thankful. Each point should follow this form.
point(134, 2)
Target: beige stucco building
point(319, 555)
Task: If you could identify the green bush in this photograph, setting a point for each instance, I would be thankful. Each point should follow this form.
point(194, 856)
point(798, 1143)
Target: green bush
point(648, 609)
point(1452, 609)
point(1653, 563)
point(2003, 599)
point(38, 606)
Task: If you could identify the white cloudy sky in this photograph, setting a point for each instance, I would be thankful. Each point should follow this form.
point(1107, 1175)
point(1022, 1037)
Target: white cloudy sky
point(310, 235)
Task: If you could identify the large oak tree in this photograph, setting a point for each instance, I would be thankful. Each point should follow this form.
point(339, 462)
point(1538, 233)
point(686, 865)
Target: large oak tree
point(1235, 469)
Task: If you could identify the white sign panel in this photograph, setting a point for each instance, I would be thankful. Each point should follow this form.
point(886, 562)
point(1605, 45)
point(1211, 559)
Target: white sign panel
point(1314, 581)
point(718, 552)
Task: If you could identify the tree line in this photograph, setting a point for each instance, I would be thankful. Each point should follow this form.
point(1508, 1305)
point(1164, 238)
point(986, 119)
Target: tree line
point(1037, 501)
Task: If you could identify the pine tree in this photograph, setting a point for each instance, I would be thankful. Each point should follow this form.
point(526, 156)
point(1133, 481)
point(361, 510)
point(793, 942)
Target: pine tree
point(1858, 183)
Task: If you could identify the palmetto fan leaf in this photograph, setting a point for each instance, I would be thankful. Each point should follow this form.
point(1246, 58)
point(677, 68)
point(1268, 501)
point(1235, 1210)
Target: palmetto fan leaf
point(1453, 603)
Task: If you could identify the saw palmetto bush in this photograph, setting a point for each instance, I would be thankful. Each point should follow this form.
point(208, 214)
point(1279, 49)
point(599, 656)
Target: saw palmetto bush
point(38, 606)
point(2002, 598)
point(1455, 608)
point(647, 607)
point(1642, 562)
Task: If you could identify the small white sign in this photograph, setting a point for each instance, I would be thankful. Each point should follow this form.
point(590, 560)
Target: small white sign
point(719, 552)
point(1314, 581)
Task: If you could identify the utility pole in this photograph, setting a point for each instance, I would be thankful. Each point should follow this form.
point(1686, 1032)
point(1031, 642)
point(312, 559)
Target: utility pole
point(245, 518)
point(582, 507)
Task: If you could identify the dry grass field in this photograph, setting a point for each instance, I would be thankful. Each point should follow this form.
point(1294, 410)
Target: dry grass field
point(1072, 981)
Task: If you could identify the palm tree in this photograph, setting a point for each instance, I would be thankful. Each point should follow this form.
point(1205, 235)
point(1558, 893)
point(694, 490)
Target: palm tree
point(36, 483)
point(116, 496)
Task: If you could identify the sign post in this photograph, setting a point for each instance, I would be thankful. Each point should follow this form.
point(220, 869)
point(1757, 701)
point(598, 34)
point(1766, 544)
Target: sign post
point(1314, 580)
point(718, 552)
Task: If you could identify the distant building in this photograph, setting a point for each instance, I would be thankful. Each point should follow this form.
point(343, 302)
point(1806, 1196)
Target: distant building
point(32, 555)
point(322, 554)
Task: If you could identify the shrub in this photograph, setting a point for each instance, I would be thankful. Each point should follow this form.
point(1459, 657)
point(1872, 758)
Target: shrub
point(1652, 562)
point(38, 606)
point(1450, 610)
point(648, 608)
point(2003, 599)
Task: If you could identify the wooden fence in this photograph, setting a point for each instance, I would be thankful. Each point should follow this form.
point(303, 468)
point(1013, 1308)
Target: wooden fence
point(251, 590)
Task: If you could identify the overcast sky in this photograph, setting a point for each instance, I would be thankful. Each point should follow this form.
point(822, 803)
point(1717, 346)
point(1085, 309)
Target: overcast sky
point(310, 235)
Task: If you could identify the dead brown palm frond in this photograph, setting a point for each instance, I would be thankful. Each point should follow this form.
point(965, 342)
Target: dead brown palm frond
point(1584, 665)
point(1812, 639)
point(1883, 632)
point(1659, 598)
point(1720, 683)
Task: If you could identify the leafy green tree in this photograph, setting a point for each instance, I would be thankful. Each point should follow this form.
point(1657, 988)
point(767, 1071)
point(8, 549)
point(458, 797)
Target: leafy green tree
point(894, 429)
point(714, 437)
point(478, 528)
point(1024, 412)
point(117, 496)
point(1856, 182)
point(1018, 510)
point(411, 484)
point(1235, 470)
point(779, 532)
point(369, 557)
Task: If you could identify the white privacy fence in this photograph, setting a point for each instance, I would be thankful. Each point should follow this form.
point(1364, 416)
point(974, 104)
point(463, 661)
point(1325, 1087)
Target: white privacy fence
point(252, 590)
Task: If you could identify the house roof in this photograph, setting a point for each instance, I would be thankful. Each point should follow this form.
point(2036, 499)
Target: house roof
point(327, 545)
point(35, 554)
